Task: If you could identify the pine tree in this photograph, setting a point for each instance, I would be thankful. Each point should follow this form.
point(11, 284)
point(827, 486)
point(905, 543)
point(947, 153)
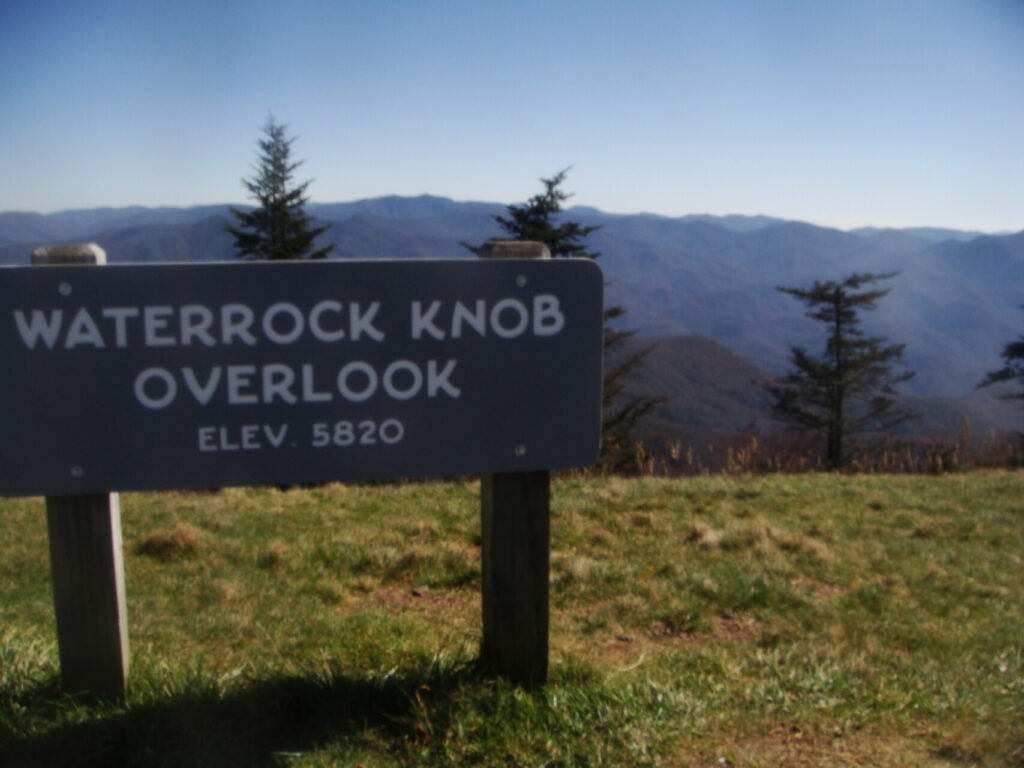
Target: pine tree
point(1013, 355)
point(536, 221)
point(539, 220)
point(278, 227)
point(850, 389)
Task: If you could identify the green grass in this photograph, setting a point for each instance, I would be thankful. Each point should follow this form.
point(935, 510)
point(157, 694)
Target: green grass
point(792, 620)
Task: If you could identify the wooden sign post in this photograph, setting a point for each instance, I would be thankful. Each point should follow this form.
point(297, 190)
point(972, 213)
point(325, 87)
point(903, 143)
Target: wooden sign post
point(87, 564)
point(516, 550)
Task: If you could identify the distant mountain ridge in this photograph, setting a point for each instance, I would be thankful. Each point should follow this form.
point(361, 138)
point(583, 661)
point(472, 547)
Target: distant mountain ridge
point(955, 303)
point(21, 227)
point(18, 227)
point(932, 234)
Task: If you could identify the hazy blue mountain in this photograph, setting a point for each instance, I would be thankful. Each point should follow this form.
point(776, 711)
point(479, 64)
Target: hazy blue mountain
point(954, 304)
point(70, 225)
point(395, 207)
point(931, 234)
point(734, 221)
point(18, 227)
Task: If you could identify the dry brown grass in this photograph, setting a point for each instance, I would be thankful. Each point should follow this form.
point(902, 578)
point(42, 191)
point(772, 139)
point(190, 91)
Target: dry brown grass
point(182, 541)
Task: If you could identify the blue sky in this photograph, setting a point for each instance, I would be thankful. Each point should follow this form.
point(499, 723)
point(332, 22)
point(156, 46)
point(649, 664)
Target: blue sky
point(839, 112)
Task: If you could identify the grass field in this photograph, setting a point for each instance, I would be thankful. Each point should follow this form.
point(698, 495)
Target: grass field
point(790, 620)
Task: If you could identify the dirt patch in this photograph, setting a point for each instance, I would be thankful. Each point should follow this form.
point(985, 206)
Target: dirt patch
point(738, 627)
point(180, 542)
point(800, 745)
point(445, 605)
point(823, 591)
point(626, 649)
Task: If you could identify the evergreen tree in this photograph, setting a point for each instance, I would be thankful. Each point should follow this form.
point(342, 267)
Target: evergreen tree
point(538, 220)
point(1013, 355)
point(849, 390)
point(278, 227)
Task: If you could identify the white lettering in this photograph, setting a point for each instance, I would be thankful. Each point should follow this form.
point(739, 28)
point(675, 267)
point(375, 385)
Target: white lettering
point(389, 380)
point(477, 320)
point(317, 328)
point(289, 310)
point(196, 321)
point(371, 381)
point(170, 388)
point(548, 319)
point(235, 321)
point(120, 317)
point(157, 319)
point(327, 321)
point(225, 444)
point(249, 433)
point(276, 438)
point(206, 439)
point(277, 380)
point(239, 377)
point(249, 437)
point(83, 330)
point(201, 392)
point(309, 393)
point(519, 309)
point(356, 381)
point(438, 380)
point(421, 322)
point(363, 323)
point(39, 326)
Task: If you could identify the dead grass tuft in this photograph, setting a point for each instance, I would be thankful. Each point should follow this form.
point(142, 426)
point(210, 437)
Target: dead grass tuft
point(703, 535)
point(180, 542)
point(798, 543)
point(570, 569)
point(642, 520)
point(276, 554)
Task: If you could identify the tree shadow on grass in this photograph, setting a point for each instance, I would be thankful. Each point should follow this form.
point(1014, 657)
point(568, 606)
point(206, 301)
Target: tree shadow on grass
point(258, 723)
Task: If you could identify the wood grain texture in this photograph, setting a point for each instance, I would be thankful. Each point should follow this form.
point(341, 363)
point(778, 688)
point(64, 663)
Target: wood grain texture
point(516, 554)
point(87, 567)
point(87, 564)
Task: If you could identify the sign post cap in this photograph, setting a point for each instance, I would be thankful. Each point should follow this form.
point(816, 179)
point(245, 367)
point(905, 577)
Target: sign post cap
point(69, 253)
point(513, 249)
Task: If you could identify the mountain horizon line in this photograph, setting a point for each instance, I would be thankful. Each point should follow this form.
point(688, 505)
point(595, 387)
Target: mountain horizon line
point(734, 221)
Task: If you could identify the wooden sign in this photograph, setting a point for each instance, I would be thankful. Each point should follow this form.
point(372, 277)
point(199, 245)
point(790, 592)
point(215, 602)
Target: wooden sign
point(208, 375)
